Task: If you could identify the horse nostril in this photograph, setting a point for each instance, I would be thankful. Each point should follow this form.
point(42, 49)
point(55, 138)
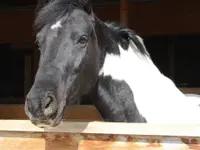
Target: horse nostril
point(50, 106)
point(48, 102)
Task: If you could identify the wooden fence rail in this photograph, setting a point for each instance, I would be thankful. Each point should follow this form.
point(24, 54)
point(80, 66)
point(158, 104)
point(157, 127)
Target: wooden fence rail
point(83, 129)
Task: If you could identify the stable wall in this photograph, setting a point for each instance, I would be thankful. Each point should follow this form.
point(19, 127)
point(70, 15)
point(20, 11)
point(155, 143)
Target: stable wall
point(158, 18)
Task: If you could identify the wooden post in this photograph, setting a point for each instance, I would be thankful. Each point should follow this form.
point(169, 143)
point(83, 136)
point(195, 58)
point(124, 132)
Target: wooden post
point(124, 12)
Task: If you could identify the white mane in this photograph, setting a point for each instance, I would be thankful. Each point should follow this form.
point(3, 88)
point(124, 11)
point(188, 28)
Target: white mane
point(156, 96)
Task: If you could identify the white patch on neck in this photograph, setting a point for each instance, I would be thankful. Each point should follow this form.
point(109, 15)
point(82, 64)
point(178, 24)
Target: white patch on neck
point(56, 25)
point(156, 96)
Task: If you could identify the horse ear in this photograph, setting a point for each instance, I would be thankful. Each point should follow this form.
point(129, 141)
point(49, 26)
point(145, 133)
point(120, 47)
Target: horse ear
point(87, 5)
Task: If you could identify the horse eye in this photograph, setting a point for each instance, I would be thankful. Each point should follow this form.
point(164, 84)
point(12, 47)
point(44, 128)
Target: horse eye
point(83, 39)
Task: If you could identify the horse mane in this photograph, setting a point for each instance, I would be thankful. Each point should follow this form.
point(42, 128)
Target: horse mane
point(124, 35)
point(56, 9)
point(110, 34)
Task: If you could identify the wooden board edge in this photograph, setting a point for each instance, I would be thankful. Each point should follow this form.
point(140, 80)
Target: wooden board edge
point(190, 90)
point(98, 127)
point(74, 141)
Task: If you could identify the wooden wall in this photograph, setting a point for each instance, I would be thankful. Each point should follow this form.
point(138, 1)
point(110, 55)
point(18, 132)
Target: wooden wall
point(165, 17)
point(158, 18)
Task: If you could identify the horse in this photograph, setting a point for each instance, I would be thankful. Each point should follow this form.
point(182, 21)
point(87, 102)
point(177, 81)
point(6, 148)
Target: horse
point(84, 58)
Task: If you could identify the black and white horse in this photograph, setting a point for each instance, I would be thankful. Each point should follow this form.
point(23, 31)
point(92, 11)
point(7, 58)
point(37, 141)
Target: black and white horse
point(83, 57)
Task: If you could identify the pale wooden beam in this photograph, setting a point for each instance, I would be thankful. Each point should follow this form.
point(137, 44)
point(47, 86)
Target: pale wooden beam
point(22, 135)
point(100, 127)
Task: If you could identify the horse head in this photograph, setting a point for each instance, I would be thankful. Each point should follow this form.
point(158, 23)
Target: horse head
point(69, 60)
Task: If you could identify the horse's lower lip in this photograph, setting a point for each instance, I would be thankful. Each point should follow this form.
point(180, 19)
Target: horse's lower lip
point(47, 123)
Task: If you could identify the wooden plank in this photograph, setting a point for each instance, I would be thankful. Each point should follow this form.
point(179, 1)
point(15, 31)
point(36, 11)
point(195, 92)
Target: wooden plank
point(157, 18)
point(190, 90)
point(163, 18)
point(16, 27)
point(100, 127)
point(22, 135)
point(17, 134)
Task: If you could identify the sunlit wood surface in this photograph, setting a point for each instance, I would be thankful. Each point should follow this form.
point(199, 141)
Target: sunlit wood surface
point(83, 129)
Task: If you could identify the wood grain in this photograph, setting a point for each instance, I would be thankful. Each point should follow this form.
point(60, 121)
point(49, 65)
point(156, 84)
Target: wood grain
point(76, 133)
point(190, 90)
point(22, 135)
point(55, 141)
point(100, 127)
point(159, 18)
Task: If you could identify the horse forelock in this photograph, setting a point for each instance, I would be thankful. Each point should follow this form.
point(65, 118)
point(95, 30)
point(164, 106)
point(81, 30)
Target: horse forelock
point(57, 9)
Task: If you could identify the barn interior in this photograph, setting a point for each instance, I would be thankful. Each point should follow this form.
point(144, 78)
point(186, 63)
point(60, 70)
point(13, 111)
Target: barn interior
point(170, 29)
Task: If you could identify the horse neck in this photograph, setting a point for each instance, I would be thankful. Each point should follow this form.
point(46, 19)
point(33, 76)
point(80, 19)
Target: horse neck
point(139, 71)
point(147, 74)
point(156, 96)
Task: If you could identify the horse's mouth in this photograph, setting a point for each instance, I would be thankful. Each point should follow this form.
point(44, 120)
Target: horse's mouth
point(47, 124)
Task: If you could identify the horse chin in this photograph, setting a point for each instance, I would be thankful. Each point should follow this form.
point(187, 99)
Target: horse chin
point(48, 124)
